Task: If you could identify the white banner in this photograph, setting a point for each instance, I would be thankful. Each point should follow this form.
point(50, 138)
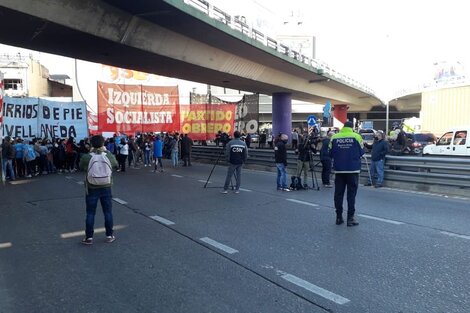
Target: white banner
point(33, 117)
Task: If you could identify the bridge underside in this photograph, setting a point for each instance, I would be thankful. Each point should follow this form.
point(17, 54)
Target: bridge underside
point(157, 37)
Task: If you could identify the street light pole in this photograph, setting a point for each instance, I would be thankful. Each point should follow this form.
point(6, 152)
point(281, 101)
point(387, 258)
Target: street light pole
point(387, 112)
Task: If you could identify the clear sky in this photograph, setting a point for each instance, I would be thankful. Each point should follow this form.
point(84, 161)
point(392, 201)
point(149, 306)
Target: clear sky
point(386, 45)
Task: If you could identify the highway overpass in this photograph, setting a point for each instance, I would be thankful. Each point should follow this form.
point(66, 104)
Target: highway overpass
point(175, 39)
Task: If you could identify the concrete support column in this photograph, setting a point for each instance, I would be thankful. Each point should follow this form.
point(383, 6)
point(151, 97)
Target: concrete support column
point(282, 114)
point(340, 115)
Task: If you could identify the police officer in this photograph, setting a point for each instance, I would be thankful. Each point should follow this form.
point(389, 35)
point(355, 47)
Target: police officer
point(346, 150)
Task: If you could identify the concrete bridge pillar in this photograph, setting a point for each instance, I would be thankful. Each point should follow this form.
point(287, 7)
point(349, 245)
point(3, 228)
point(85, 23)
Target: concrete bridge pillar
point(282, 113)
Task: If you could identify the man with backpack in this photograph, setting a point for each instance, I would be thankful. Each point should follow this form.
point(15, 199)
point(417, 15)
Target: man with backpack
point(98, 165)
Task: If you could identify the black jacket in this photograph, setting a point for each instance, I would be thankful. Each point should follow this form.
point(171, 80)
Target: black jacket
point(236, 151)
point(280, 152)
point(325, 152)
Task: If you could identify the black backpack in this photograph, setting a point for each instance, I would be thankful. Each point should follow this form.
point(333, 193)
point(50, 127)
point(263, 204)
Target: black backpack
point(296, 183)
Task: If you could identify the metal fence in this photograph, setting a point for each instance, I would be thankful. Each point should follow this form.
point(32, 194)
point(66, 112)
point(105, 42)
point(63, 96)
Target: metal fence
point(431, 174)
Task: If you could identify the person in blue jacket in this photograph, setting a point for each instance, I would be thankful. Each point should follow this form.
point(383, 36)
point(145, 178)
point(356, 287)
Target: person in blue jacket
point(346, 150)
point(380, 149)
point(158, 153)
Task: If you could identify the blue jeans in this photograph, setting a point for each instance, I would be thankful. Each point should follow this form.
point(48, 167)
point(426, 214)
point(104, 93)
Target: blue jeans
point(106, 198)
point(281, 175)
point(174, 157)
point(7, 166)
point(147, 157)
point(377, 168)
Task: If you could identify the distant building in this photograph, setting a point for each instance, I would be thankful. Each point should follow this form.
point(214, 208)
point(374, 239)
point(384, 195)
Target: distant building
point(26, 77)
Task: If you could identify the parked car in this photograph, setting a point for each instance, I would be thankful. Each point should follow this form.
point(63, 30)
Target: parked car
point(415, 142)
point(453, 142)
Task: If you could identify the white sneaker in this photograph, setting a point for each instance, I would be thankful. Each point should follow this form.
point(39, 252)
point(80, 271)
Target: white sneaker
point(110, 239)
point(224, 191)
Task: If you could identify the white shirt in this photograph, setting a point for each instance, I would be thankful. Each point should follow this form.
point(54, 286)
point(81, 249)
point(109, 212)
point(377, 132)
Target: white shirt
point(124, 149)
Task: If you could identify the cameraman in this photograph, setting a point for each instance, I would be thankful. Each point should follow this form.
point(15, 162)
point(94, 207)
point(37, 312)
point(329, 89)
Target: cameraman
point(306, 145)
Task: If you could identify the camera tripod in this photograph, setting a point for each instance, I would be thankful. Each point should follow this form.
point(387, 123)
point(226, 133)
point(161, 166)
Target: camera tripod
point(312, 170)
point(213, 168)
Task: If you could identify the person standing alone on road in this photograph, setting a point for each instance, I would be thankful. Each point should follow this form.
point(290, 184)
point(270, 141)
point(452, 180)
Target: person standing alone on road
point(346, 150)
point(98, 165)
point(280, 156)
point(236, 152)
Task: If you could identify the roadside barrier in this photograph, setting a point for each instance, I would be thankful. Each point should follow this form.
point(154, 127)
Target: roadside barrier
point(442, 175)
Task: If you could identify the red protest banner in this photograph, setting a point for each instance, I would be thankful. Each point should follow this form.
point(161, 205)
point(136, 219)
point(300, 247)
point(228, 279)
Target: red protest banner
point(137, 108)
point(203, 121)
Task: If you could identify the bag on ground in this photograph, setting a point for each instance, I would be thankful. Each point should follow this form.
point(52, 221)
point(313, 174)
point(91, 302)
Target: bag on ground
point(99, 169)
point(296, 183)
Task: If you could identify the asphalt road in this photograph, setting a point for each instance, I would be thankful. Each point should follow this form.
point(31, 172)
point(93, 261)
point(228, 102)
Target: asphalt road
point(184, 248)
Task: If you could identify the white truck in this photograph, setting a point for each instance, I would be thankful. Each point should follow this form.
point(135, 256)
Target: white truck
point(453, 142)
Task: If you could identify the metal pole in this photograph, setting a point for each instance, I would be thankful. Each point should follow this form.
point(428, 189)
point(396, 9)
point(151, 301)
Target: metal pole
point(387, 118)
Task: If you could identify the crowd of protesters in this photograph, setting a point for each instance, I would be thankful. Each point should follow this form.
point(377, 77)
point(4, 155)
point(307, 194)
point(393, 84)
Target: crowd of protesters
point(23, 158)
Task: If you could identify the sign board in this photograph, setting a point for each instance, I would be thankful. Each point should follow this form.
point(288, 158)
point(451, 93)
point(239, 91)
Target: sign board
point(368, 124)
point(28, 118)
point(311, 120)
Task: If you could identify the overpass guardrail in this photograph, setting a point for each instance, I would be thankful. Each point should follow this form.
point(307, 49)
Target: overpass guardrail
point(240, 24)
point(441, 175)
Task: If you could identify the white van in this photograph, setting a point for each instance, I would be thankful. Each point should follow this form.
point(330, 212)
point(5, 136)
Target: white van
point(453, 142)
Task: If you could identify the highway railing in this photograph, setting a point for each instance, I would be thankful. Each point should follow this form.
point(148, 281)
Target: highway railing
point(239, 23)
point(429, 174)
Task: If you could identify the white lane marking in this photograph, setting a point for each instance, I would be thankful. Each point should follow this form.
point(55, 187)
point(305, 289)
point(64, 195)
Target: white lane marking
point(69, 177)
point(5, 245)
point(162, 220)
point(315, 289)
point(81, 182)
point(218, 245)
point(203, 181)
point(302, 202)
point(381, 219)
point(455, 235)
point(21, 182)
point(174, 175)
point(119, 201)
point(82, 232)
point(247, 190)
